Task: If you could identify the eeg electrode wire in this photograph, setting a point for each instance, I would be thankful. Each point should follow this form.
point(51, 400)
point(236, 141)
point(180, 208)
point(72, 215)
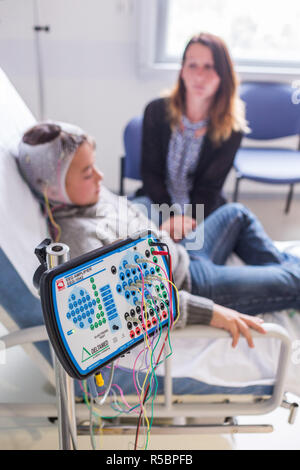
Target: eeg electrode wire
point(145, 396)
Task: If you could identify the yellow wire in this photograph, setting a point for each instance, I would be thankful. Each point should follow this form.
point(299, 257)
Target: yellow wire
point(177, 295)
point(143, 386)
point(141, 397)
point(145, 318)
point(100, 432)
point(50, 215)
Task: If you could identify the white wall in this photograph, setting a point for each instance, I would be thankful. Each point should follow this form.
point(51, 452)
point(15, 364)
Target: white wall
point(90, 68)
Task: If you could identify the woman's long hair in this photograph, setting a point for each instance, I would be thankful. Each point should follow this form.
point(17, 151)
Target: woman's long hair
point(227, 112)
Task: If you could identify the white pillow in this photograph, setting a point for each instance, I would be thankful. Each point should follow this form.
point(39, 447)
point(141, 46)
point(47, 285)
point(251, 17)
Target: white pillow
point(23, 226)
point(15, 117)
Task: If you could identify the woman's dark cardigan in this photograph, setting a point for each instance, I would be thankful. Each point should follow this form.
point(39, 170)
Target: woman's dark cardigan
point(210, 174)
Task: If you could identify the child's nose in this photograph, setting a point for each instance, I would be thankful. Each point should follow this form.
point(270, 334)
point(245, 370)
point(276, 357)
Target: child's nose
point(99, 175)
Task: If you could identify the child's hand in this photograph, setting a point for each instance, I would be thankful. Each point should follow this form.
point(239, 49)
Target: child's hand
point(236, 323)
point(179, 226)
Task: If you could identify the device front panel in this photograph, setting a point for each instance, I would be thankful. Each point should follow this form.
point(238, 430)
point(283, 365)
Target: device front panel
point(105, 306)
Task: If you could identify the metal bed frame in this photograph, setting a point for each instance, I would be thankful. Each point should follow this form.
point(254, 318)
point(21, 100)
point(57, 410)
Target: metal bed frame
point(215, 416)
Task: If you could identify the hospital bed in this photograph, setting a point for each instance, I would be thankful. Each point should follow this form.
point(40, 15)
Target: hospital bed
point(204, 378)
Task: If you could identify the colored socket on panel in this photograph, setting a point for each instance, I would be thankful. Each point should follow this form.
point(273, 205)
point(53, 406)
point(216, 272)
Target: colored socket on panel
point(99, 306)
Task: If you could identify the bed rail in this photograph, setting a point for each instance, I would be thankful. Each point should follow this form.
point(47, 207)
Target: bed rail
point(255, 406)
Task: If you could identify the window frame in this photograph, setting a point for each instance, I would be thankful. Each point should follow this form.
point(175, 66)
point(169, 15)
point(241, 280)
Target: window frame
point(152, 16)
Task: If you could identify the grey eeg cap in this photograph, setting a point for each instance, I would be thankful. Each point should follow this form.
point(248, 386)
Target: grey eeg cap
point(44, 166)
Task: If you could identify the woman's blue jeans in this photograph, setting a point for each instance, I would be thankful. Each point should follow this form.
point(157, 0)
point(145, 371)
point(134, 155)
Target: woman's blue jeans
point(269, 281)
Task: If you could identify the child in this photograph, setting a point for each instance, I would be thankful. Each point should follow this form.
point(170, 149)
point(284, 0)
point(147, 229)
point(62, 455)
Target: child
point(58, 163)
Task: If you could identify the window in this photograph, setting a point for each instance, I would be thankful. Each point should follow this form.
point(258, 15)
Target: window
point(263, 36)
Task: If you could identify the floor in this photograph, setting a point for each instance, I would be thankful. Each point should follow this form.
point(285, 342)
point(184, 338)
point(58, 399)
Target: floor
point(270, 211)
point(18, 373)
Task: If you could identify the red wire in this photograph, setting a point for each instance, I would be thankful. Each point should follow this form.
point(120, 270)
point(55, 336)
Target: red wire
point(145, 396)
point(166, 253)
point(163, 253)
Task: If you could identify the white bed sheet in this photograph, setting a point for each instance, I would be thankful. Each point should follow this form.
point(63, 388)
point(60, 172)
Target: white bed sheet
point(216, 363)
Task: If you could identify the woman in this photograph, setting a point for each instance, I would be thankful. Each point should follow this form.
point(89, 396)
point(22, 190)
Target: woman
point(190, 138)
point(58, 162)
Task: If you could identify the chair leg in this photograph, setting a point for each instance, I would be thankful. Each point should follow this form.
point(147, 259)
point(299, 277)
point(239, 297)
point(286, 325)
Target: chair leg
point(236, 189)
point(289, 199)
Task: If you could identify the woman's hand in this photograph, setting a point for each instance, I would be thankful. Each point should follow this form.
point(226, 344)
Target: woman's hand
point(236, 323)
point(179, 226)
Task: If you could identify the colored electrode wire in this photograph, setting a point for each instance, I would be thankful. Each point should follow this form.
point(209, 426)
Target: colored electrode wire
point(152, 353)
point(153, 375)
point(170, 272)
point(145, 339)
point(153, 368)
point(145, 326)
point(111, 375)
point(150, 346)
point(146, 358)
point(143, 411)
point(157, 362)
point(50, 215)
point(158, 359)
point(92, 438)
point(154, 396)
point(145, 396)
point(170, 266)
point(158, 324)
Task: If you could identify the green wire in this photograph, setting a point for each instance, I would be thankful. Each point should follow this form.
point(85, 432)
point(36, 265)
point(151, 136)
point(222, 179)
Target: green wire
point(149, 379)
point(152, 376)
point(154, 373)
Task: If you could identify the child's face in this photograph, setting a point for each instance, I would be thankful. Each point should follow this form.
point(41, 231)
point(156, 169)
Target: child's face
point(83, 179)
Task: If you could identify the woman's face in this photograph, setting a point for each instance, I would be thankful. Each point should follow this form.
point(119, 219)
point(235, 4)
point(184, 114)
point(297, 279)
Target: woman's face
point(199, 74)
point(83, 178)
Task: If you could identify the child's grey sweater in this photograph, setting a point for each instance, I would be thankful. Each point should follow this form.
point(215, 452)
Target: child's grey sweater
point(112, 218)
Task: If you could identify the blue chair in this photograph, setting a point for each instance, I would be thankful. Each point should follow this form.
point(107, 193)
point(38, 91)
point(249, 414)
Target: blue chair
point(130, 163)
point(271, 114)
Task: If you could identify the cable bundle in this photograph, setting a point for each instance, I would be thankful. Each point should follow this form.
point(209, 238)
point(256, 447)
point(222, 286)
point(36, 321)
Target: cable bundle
point(149, 356)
